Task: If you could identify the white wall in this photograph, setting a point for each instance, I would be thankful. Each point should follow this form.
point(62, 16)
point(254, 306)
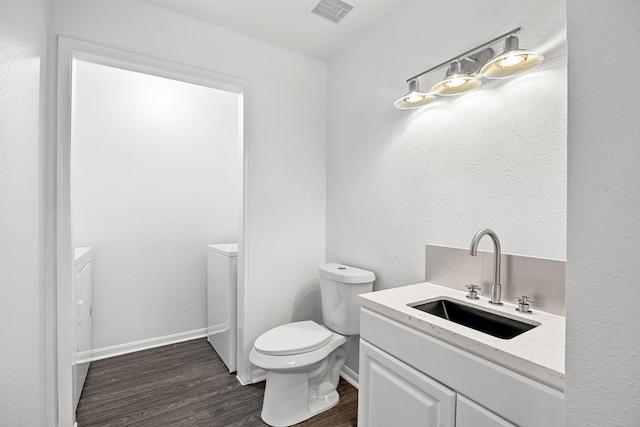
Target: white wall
point(156, 176)
point(603, 265)
point(23, 46)
point(401, 179)
point(286, 219)
point(494, 158)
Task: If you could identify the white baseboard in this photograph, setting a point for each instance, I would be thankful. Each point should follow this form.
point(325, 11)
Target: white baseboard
point(347, 373)
point(120, 349)
point(257, 375)
point(350, 376)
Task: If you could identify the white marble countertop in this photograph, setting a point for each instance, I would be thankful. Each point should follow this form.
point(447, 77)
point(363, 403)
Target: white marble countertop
point(538, 353)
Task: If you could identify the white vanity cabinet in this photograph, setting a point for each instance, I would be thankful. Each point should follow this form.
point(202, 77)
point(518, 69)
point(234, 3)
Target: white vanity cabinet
point(408, 377)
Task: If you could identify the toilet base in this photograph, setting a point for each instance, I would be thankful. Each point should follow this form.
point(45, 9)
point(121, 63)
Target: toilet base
point(290, 398)
point(287, 401)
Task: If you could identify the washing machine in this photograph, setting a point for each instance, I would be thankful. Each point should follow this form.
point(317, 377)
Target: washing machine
point(222, 301)
point(82, 294)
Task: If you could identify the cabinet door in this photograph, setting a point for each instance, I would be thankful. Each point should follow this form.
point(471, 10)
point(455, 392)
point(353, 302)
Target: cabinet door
point(470, 414)
point(392, 393)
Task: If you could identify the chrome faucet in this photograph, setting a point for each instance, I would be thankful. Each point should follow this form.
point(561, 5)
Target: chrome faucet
point(495, 286)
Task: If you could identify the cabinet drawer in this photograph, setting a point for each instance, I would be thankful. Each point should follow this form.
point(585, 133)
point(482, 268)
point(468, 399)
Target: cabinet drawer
point(392, 393)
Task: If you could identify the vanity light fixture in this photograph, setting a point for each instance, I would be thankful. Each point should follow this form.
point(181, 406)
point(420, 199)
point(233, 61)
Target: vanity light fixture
point(414, 98)
point(467, 69)
point(513, 61)
point(456, 81)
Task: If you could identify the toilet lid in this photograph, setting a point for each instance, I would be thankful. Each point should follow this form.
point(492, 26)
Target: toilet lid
point(292, 338)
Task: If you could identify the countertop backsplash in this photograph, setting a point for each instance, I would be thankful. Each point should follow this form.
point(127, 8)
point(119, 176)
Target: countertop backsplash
point(542, 280)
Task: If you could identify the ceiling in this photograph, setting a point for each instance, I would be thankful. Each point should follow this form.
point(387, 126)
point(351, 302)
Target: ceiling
point(286, 23)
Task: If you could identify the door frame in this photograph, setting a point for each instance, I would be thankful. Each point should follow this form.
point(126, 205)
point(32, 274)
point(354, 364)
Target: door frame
point(70, 50)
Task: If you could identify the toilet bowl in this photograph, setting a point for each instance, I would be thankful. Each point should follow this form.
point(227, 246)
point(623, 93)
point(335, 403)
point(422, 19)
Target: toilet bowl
point(303, 359)
point(303, 362)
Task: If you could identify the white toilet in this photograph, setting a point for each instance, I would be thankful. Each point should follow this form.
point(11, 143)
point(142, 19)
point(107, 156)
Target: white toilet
point(303, 359)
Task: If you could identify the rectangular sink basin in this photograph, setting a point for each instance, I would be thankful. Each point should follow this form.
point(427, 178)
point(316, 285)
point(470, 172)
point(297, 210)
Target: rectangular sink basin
point(475, 318)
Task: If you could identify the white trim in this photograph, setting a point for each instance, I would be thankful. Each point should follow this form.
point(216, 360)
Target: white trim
point(132, 347)
point(69, 50)
point(350, 376)
point(244, 343)
point(65, 259)
point(347, 373)
point(258, 375)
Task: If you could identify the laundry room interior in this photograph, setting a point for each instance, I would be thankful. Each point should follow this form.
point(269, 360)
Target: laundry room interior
point(156, 178)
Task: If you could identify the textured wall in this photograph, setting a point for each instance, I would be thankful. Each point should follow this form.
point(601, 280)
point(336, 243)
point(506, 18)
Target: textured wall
point(603, 265)
point(494, 158)
point(23, 44)
point(156, 176)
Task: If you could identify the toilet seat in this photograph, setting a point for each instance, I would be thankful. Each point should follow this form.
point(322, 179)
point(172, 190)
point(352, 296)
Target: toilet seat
point(293, 338)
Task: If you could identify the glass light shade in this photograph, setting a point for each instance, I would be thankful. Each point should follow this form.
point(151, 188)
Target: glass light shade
point(512, 62)
point(456, 84)
point(414, 98)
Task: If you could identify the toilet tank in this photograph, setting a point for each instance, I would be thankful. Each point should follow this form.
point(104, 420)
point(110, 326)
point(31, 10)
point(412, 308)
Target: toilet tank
point(340, 286)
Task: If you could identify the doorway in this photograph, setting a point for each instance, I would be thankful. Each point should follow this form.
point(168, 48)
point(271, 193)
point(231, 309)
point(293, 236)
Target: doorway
point(74, 56)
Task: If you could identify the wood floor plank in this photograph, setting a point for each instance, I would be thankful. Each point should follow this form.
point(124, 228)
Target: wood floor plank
point(184, 385)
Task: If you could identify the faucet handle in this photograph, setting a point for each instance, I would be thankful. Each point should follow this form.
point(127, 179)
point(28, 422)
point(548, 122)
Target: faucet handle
point(473, 291)
point(523, 304)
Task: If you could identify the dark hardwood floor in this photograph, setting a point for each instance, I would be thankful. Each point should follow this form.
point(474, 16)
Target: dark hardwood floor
point(184, 385)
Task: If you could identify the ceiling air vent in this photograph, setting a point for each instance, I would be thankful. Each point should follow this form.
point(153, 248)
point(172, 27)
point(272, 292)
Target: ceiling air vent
point(333, 10)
